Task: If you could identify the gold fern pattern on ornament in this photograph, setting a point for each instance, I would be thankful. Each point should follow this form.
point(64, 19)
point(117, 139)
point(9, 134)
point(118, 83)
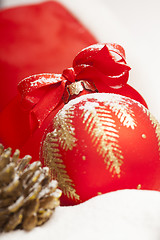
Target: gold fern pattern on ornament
point(155, 124)
point(66, 131)
point(53, 159)
point(124, 113)
point(104, 135)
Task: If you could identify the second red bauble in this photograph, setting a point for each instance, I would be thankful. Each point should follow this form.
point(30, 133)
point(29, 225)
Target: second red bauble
point(100, 143)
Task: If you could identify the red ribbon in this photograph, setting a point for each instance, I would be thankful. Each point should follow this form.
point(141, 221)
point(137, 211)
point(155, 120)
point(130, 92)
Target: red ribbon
point(104, 64)
point(100, 64)
point(41, 94)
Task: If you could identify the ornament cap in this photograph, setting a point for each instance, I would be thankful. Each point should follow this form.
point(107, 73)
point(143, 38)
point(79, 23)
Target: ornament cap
point(77, 88)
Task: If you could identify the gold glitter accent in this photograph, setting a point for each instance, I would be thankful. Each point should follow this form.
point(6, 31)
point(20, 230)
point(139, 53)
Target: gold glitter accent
point(65, 129)
point(124, 113)
point(84, 158)
point(101, 127)
point(139, 186)
point(76, 87)
point(143, 135)
point(62, 136)
point(99, 193)
point(156, 126)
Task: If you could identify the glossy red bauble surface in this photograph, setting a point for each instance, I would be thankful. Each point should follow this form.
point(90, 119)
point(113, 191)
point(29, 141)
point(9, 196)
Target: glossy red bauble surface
point(102, 142)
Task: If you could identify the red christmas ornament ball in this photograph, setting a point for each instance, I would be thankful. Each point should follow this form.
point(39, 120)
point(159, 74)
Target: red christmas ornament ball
point(102, 142)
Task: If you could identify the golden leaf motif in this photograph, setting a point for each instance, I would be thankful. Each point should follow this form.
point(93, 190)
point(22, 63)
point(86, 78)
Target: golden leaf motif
point(65, 129)
point(62, 136)
point(102, 129)
point(125, 114)
point(155, 124)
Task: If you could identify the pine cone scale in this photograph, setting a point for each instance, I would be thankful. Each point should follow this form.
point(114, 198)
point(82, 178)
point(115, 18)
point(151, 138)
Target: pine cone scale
point(12, 187)
point(1, 149)
point(47, 202)
point(7, 173)
point(43, 216)
point(33, 194)
point(5, 157)
point(3, 212)
point(32, 207)
point(5, 203)
point(14, 221)
point(30, 222)
point(16, 205)
point(33, 181)
point(22, 164)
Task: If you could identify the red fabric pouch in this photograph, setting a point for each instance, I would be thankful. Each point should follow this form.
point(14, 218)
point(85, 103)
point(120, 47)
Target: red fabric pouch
point(34, 39)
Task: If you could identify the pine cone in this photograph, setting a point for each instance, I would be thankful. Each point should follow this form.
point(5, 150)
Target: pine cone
point(27, 196)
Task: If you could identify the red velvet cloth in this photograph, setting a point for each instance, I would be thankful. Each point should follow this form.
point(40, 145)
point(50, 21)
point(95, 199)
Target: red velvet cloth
point(35, 39)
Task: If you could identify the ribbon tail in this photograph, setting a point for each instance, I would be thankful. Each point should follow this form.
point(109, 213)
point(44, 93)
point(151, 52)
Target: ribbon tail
point(46, 105)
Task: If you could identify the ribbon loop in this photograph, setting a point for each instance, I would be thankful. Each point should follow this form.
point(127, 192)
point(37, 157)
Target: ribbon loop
point(103, 64)
point(93, 67)
point(69, 74)
point(41, 94)
point(37, 81)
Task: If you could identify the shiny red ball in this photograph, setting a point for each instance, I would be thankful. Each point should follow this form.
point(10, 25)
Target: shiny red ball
point(102, 142)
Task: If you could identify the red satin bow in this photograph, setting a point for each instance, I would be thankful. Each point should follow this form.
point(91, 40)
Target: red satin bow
point(41, 93)
point(105, 64)
point(102, 64)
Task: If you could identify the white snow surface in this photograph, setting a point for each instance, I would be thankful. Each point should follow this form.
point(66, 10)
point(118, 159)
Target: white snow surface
point(119, 215)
